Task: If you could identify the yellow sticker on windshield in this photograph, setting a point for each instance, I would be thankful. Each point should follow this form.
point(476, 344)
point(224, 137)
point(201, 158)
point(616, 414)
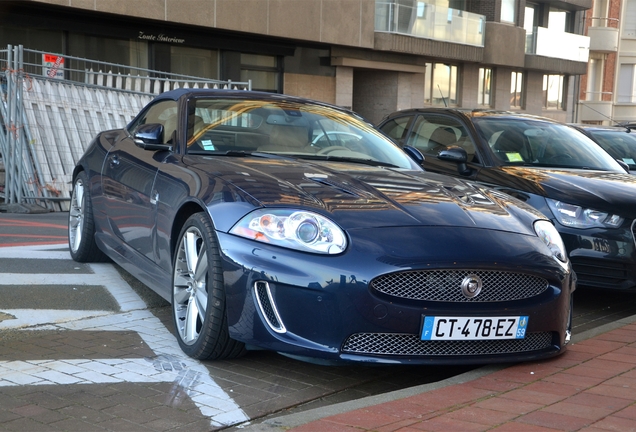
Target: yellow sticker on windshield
point(514, 157)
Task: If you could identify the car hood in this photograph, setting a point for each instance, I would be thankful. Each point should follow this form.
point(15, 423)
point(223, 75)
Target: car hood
point(361, 196)
point(612, 192)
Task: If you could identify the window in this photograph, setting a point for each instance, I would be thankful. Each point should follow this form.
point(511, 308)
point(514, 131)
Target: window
point(594, 89)
point(432, 134)
point(396, 128)
point(629, 19)
point(119, 51)
point(529, 23)
point(553, 90)
point(626, 85)
point(194, 62)
point(508, 10)
point(164, 113)
point(485, 86)
point(559, 20)
point(441, 84)
point(599, 16)
point(516, 90)
point(262, 70)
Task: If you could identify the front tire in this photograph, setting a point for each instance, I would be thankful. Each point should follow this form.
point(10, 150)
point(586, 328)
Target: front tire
point(81, 224)
point(198, 294)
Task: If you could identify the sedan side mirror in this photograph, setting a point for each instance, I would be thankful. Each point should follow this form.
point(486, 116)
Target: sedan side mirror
point(623, 164)
point(415, 154)
point(150, 137)
point(457, 155)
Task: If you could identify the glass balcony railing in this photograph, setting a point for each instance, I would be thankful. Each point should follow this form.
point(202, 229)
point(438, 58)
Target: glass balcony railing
point(558, 44)
point(429, 21)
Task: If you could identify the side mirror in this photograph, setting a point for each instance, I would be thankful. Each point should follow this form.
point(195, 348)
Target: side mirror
point(415, 154)
point(623, 164)
point(456, 155)
point(150, 137)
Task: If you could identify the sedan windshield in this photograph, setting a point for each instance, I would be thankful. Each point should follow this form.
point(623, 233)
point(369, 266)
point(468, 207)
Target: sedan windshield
point(531, 142)
point(288, 128)
point(619, 144)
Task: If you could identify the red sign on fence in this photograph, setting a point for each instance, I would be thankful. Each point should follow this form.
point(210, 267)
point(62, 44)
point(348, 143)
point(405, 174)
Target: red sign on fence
point(53, 66)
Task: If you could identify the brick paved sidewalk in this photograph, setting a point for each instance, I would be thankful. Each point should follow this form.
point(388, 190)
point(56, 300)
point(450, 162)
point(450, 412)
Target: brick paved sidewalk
point(591, 387)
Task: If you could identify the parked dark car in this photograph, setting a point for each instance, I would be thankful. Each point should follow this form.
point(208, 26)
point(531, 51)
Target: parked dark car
point(246, 211)
point(559, 171)
point(618, 141)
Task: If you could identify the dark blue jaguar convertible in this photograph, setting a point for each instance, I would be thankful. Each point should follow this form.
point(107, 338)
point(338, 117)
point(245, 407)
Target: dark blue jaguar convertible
point(278, 223)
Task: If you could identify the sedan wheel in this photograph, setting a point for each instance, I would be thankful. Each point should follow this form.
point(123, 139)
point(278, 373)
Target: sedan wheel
point(198, 295)
point(81, 226)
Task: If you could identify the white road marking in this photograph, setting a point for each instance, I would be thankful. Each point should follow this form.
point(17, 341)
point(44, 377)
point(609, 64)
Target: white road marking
point(170, 365)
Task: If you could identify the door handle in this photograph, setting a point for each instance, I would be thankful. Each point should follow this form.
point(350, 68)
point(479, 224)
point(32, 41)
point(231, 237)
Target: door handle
point(113, 161)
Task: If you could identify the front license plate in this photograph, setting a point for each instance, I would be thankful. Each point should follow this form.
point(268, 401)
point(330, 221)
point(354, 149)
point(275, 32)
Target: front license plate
point(473, 328)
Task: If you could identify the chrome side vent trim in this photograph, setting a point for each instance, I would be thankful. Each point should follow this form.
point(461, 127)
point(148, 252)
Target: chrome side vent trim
point(268, 307)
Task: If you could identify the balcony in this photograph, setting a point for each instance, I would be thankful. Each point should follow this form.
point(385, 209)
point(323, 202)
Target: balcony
point(603, 35)
point(594, 108)
point(429, 21)
point(558, 44)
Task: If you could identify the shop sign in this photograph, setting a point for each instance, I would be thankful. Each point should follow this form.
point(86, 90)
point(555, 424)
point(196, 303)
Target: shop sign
point(160, 38)
point(53, 66)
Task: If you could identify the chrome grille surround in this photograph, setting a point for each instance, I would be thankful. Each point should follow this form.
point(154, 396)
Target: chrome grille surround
point(445, 285)
point(402, 344)
point(268, 307)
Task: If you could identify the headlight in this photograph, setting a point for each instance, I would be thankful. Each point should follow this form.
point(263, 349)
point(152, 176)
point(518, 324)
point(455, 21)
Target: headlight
point(578, 217)
point(300, 230)
point(550, 236)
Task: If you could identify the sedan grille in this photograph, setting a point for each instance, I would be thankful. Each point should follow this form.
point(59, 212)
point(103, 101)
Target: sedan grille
point(445, 285)
point(400, 344)
point(601, 273)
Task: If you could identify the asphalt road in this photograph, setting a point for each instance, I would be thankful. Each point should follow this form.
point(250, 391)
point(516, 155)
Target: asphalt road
point(262, 383)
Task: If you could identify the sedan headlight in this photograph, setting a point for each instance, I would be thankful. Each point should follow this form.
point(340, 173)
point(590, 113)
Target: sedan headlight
point(551, 237)
point(295, 229)
point(578, 217)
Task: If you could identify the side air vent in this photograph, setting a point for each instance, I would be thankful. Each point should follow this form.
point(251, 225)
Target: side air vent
point(268, 307)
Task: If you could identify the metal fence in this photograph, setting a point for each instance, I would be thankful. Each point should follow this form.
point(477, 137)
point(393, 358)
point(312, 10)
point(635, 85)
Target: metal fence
point(51, 106)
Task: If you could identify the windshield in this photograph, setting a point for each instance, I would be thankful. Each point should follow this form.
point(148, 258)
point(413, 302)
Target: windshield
point(533, 142)
point(619, 144)
point(288, 128)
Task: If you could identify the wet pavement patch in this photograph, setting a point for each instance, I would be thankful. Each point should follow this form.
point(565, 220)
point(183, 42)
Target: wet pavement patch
point(45, 266)
point(114, 407)
point(16, 345)
point(58, 297)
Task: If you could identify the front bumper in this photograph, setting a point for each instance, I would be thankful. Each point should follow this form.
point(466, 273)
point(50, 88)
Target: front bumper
point(601, 257)
point(326, 307)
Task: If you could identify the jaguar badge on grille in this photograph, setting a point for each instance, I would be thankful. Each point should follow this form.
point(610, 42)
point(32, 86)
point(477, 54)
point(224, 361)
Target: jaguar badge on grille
point(471, 286)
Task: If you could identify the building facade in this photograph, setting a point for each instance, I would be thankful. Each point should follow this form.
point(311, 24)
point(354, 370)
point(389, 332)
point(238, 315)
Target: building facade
point(373, 56)
point(608, 90)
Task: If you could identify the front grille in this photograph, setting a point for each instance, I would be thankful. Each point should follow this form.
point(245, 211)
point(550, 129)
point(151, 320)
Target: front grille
point(600, 272)
point(400, 344)
point(445, 285)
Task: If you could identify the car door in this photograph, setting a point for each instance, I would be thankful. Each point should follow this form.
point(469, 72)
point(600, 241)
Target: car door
point(128, 176)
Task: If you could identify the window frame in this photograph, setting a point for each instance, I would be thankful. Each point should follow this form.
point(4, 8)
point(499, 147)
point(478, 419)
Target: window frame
point(517, 87)
point(548, 81)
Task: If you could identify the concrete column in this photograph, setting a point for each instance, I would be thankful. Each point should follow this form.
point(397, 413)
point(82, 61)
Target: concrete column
point(344, 86)
point(410, 90)
point(469, 86)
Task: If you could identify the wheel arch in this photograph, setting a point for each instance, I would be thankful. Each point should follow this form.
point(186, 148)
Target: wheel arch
point(187, 209)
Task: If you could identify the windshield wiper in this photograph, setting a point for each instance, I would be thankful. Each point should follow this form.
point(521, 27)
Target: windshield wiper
point(371, 162)
point(546, 165)
point(233, 153)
